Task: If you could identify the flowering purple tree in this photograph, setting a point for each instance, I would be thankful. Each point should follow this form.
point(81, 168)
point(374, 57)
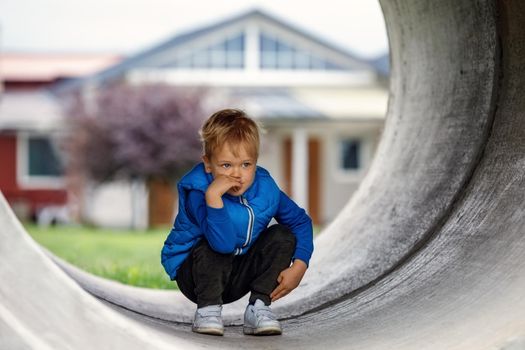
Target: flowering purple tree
point(136, 131)
point(147, 133)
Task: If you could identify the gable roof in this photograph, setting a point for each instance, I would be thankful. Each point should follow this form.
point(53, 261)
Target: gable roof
point(382, 64)
point(17, 111)
point(178, 40)
point(46, 67)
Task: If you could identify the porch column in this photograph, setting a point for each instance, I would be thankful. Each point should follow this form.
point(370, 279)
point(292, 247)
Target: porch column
point(300, 167)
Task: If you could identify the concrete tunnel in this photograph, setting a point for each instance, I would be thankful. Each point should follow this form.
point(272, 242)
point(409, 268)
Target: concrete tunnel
point(428, 254)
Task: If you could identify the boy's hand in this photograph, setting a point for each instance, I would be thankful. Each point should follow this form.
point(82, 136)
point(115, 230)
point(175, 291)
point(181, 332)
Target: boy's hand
point(220, 185)
point(289, 279)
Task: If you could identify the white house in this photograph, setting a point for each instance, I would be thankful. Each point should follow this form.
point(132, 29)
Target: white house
point(323, 108)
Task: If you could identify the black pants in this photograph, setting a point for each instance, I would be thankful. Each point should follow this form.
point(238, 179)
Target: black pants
point(210, 278)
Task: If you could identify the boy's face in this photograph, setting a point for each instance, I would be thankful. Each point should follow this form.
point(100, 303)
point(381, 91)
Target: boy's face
point(241, 166)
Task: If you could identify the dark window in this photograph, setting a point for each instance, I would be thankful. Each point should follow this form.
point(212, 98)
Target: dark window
point(350, 154)
point(200, 59)
point(236, 43)
point(302, 60)
point(43, 158)
point(267, 43)
point(228, 53)
point(275, 53)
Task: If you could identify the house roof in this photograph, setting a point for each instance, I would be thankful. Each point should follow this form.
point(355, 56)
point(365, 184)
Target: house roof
point(37, 111)
point(265, 95)
point(382, 64)
point(135, 61)
point(345, 103)
point(20, 67)
point(272, 104)
point(311, 104)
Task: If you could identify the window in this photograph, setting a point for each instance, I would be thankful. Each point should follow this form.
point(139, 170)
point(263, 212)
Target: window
point(39, 162)
point(43, 158)
point(278, 54)
point(350, 154)
point(226, 54)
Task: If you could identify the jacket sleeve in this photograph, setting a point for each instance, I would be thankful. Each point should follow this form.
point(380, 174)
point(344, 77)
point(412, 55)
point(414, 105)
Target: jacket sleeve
point(293, 216)
point(214, 223)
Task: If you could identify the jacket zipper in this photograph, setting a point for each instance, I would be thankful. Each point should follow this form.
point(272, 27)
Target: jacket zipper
point(251, 219)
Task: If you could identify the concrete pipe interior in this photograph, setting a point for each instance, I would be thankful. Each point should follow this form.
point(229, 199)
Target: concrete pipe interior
point(429, 253)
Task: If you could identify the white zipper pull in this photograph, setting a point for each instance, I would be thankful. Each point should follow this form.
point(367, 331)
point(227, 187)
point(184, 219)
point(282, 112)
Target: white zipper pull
point(251, 216)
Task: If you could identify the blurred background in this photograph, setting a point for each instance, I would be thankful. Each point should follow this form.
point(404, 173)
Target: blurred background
point(101, 103)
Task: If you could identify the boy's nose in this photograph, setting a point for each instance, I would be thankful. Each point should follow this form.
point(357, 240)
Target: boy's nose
point(236, 172)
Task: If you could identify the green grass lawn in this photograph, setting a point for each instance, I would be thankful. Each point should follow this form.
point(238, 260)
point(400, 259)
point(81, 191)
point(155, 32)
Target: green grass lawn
point(129, 257)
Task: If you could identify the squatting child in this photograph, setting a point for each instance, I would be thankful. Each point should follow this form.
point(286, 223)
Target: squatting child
point(220, 247)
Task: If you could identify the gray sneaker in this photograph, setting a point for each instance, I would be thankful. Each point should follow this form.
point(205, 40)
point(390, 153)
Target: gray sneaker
point(260, 320)
point(208, 320)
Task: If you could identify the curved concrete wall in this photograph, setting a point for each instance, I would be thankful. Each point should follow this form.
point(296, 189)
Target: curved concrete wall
point(429, 253)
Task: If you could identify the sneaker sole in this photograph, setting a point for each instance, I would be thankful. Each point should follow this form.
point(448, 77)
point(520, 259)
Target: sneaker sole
point(262, 331)
point(208, 330)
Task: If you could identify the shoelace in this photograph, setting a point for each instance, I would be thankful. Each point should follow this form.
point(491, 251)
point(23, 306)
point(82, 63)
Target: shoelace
point(209, 312)
point(262, 312)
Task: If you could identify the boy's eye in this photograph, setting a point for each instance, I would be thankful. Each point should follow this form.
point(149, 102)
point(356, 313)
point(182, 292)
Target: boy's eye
point(226, 166)
point(246, 164)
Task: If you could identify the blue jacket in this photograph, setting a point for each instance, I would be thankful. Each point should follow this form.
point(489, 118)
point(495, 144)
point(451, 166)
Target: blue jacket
point(236, 226)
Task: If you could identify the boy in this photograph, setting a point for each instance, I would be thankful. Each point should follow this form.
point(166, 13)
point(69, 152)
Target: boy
point(220, 247)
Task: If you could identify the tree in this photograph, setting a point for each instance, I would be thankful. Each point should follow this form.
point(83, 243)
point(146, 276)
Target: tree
point(147, 132)
point(136, 131)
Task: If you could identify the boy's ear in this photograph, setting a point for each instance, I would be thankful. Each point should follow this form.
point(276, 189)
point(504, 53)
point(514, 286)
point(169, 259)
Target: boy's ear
point(207, 164)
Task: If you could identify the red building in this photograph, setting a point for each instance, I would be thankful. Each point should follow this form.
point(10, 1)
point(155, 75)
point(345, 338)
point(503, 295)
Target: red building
point(31, 122)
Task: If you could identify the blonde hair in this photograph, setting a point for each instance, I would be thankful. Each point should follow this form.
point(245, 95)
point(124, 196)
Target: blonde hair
point(231, 126)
